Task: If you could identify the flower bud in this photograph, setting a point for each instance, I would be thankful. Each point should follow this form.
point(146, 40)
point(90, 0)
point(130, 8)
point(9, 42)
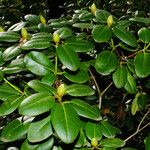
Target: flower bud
point(94, 142)
point(61, 90)
point(24, 33)
point(42, 19)
point(56, 37)
point(110, 21)
point(93, 8)
point(1, 29)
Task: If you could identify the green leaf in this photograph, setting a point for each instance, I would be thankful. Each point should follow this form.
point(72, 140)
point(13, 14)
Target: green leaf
point(144, 35)
point(79, 45)
point(108, 130)
point(106, 62)
point(131, 86)
point(66, 122)
point(86, 110)
point(32, 19)
point(42, 35)
point(49, 79)
point(129, 148)
point(42, 146)
point(101, 33)
point(142, 100)
point(80, 77)
point(141, 19)
point(125, 36)
point(83, 25)
point(6, 91)
point(113, 142)
point(38, 63)
point(79, 90)
point(142, 64)
point(86, 16)
point(102, 15)
point(120, 76)
point(134, 105)
point(93, 130)
point(9, 36)
point(124, 23)
point(12, 70)
point(68, 57)
point(1, 75)
point(147, 142)
point(81, 139)
point(38, 86)
point(36, 44)
point(36, 104)
point(64, 32)
point(39, 130)
point(13, 131)
point(10, 105)
point(11, 52)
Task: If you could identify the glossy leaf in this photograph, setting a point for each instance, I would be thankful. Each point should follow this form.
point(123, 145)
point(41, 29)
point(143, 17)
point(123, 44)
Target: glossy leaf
point(80, 77)
point(93, 130)
point(68, 57)
point(142, 64)
point(125, 36)
point(108, 130)
point(79, 90)
point(40, 130)
point(144, 35)
point(42, 35)
point(134, 105)
point(35, 44)
point(38, 63)
point(79, 45)
point(147, 142)
point(6, 91)
point(63, 120)
point(36, 104)
point(42, 146)
point(142, 100)
point(64, 32)
point(81, 139)
point(101, 33)
point(10, 105)
point(13, 131)
point(11, 52)
point(102, 15)
point(83, 25)
point(112, 142)
point(141, 19)
point(120, 76)
point(86, 110)
point(131, 86)
point(41, 87)
point(106, 62)
point(49, 79)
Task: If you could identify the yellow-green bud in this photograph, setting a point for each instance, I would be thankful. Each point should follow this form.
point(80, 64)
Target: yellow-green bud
point(94, 142)
point(110, 21)
point(61, 90)
point(56, 37)
point(42, 19)
point(1, 29)
point(93, 8)
point(24, 33)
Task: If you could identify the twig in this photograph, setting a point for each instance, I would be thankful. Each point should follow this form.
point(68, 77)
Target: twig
point(138, 128)
point(98, 89)
point(100, 94)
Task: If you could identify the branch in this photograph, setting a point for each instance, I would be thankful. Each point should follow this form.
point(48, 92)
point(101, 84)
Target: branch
point(138, 130)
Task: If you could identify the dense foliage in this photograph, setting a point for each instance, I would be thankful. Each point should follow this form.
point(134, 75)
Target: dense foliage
point(77, 82)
